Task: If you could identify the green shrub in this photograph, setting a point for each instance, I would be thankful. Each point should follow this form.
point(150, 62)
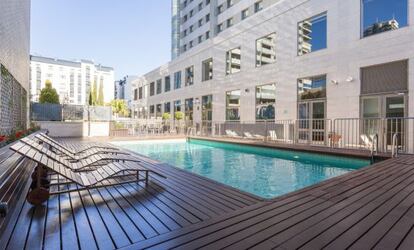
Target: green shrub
point(179, 115)
point(166, 116)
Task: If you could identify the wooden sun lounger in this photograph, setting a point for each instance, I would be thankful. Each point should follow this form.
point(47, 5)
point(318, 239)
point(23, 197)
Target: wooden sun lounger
point(77, 156)
point(94, 179)
point(81, 165)
point(82, 148)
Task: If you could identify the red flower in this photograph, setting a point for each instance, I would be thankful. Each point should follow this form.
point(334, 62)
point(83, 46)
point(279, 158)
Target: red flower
point(19, 134)
point(3, 138)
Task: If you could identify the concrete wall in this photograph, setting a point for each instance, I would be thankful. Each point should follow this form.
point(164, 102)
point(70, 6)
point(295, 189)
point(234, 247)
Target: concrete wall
point(345, 54)
point(76, 129)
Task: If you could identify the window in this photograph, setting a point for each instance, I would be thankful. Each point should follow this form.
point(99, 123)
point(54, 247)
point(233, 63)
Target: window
point(266, 50)
point(189, 76)
point(265, 102)
point(200, 39)
point(383, 15)
point(152, 88)
point(200, 6)
point(207, 67)
point(258, 6)
point(140, 92)
point(191, 13)
point(220, 9)
point(207, 18)
point(233, 61)
point(135, 94)
point(185, 33)
point(177, 80)
point(167, 107)
point(229, 3)
point(207, 35)
point(185, 47)
point(167, 83)
point(191, 44)
point(312, 88)
point(200, 22)
point(233, 105)
point(220, 27)
point(158, 110)
point(185, 18)
point(159, 86)
point(189, 107)
point(207, 2)
point(152, 110)
point(177, 106)
point(312, 34)
point(244, 14)
point(191, 28)
point(229, 22)
point(207, 108)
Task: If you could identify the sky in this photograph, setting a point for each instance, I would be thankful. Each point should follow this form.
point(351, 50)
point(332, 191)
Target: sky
point(132, 36)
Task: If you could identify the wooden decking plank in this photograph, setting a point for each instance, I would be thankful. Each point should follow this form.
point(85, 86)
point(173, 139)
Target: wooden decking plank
point(147, 230)
point(408, 242)
point(21, 229)
point(52, 239)
point(328, 226)
point(157, 206)
point(67, 224)
point(37, 229)
point(124, 220)
point(279, 233)
point(118, 234)
point(86, 238)
point(396, 234)
point(377, 232)
point(100, 229)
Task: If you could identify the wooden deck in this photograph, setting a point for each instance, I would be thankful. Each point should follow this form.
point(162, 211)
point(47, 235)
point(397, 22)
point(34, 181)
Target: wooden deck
point(368, 208)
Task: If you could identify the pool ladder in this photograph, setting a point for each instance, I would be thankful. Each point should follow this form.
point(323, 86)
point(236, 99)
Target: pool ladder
point(395, 146)
point(374, 148)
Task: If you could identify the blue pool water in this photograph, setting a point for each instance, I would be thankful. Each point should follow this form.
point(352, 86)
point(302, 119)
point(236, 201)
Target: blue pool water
point(262, 171)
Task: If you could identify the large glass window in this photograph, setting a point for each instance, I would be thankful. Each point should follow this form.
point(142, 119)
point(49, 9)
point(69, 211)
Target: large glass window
point(159, 86)
point(266, 50)
point(233, 105)
point(167, 107)
point(265, 102)
point(207, 67)
point(140, 92)
point(152, 88)
point(177, 80)
point(383, 15)
point(177, 106)
point(312, 88)
point(167, 83)
point(189, 107)
point(152, 110)
point(158, 110)
point(207, 108)
point(233, 61)
point(312, 34)
point(189, 76)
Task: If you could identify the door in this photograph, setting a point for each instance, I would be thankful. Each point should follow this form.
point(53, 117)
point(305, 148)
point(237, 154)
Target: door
point(311, 121)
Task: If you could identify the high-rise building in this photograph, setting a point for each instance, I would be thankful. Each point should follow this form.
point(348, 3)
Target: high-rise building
point(255, 60)
point(14, 60)
point(123, 89)
point(73, 80)
point(196, 21)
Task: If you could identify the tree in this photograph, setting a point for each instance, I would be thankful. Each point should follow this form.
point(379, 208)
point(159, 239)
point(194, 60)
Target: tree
point(100, 100)
point(48, 94)
point(119, 107)
point(179, 115)
point(90, 101)
point(94, 93)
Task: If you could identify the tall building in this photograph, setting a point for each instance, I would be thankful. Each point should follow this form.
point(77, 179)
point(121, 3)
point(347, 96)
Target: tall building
point(124, 89)
point(14, 60)
point(196, 21)
point(73, 80)
point(286, 60)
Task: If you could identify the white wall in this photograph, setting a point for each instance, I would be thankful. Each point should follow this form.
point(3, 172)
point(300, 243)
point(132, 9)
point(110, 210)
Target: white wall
point(346, 53)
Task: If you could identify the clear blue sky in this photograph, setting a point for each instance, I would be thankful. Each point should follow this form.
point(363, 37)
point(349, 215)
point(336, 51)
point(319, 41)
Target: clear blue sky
point(133, 36)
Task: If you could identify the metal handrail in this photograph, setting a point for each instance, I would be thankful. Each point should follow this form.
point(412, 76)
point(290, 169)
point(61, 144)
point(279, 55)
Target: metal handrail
point(375, 144)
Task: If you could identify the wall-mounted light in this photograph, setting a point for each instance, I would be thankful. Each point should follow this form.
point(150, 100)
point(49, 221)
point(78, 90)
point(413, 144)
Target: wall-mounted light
point(334, 82)
point(349, 79)
point(247, 90)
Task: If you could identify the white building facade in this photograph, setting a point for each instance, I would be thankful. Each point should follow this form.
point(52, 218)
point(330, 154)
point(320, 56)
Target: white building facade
point(72, 80)
point(287, 60)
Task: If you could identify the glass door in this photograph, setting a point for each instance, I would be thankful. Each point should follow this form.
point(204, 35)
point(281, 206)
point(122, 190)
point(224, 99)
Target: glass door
point(311, 121)
point(394, 112)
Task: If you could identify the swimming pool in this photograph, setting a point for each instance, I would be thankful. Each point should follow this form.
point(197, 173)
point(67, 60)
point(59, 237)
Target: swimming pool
point(264, 172)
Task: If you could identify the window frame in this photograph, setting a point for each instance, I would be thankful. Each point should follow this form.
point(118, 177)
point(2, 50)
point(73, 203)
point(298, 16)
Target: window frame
point(275, 60)
point(325, 13)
